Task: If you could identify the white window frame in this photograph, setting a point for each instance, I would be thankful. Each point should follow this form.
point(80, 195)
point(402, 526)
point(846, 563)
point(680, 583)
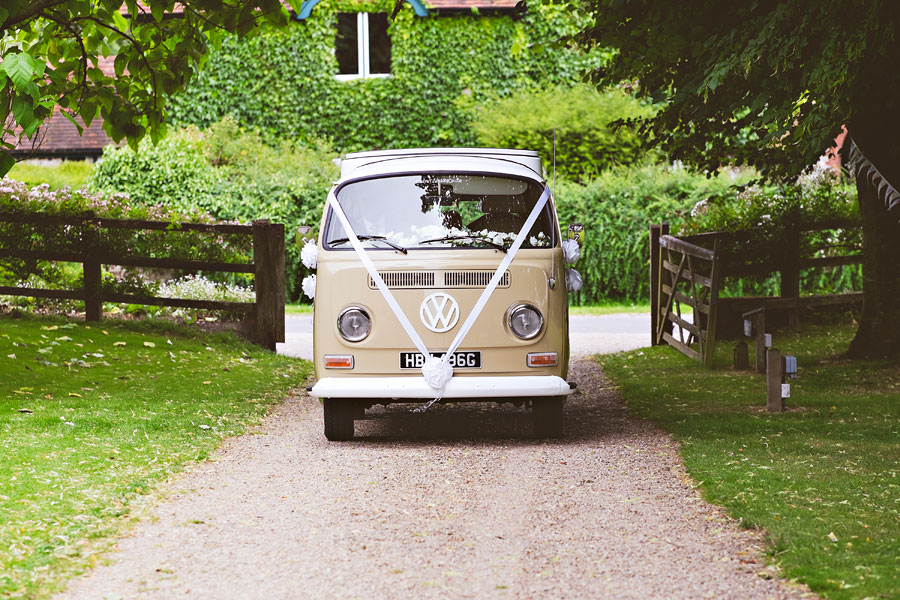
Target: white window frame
point(362, 52)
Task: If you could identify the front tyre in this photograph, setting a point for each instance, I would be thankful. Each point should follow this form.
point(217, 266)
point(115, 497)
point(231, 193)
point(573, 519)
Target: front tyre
point(339, 415)
point(547, 416)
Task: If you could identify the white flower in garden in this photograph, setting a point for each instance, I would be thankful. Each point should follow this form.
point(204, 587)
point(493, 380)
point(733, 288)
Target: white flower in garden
point(573, 280)
point(309, 255)
point(701, 208)
point(571, 251)
point(309, 286)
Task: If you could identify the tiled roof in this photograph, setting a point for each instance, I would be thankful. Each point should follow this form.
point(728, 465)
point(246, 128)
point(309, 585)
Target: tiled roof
point(59, 137)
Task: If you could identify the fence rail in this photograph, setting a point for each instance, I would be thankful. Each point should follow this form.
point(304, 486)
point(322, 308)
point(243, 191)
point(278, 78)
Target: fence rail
point(265, 315)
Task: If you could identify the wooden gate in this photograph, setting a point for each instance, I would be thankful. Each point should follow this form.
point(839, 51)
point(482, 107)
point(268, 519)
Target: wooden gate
point(685, 274)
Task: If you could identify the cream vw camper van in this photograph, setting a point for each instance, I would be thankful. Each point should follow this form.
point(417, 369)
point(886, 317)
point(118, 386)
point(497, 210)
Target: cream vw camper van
point(448, 250)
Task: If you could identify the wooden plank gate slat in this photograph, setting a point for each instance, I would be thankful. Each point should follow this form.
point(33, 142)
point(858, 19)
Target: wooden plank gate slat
point(687, 275)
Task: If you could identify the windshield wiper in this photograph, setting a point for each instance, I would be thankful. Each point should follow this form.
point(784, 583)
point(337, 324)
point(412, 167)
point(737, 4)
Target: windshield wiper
point(377, 238)
point(481, 238)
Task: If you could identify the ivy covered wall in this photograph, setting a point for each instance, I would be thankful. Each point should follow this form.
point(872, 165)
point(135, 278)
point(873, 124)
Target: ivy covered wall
point(443, 68)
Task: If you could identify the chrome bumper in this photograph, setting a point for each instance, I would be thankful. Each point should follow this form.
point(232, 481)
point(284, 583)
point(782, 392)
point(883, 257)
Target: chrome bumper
point(458, 387)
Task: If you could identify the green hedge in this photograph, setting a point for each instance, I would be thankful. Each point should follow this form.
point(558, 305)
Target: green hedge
point(229, 173)
point(583, 119)
point(443, 67)
point(617, 209)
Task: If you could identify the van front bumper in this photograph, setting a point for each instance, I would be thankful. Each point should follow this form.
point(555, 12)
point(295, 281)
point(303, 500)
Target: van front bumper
point(458, 387)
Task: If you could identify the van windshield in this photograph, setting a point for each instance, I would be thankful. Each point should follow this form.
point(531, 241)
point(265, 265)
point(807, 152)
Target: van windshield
point(440, 210)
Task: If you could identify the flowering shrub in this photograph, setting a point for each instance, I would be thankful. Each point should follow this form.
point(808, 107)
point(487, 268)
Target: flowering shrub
point(768, 213)
point(197, 287)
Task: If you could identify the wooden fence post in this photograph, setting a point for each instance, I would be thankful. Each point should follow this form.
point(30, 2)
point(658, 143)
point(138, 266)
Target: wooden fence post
point(790, 272)
point(268, 263)
point(656, 282)
point(709, 344)
point(774, 379)
point(90, 244)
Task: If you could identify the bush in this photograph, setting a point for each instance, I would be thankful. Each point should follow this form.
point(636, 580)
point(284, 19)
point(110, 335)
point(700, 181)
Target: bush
point(617, 209)
point(232, 174)
point(174, 172)
point(72, 173)
point(588, 141)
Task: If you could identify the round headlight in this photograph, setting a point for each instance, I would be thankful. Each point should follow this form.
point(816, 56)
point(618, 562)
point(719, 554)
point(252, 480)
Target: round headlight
point(525, 321)
point(354, 324)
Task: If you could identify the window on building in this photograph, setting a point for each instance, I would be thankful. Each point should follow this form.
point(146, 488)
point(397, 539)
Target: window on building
point(362, 46)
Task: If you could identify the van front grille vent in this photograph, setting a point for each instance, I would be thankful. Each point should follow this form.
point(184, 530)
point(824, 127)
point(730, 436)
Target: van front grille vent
point(405, 279)
point(472, 279)
point(429, 279)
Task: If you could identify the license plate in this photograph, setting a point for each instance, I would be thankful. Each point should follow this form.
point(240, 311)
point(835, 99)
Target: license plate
point(459, 360)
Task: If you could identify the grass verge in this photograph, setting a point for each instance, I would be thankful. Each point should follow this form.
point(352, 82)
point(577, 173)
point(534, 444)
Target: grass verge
point(72, 173)
point(823, 479)
point(298, 309)
point(610, 308)
point(92, 417)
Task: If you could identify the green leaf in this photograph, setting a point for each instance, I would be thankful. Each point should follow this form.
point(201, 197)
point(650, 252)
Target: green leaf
point(24, 113)
point(21, 68)
point(88, 111)
point(157, 9)
point(6, 162)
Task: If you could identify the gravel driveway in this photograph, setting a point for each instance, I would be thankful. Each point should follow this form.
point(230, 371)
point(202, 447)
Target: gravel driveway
point(455, 503)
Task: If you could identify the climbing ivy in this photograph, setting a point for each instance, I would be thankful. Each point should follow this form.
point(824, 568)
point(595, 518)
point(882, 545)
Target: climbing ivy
point(443, 69)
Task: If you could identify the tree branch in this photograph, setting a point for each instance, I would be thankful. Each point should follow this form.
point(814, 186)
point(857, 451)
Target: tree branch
point(29, 13)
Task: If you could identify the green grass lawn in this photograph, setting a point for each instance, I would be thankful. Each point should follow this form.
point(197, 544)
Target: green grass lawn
point(610, 308)
point(822, 479)
point(93, 417)
point(72, 173)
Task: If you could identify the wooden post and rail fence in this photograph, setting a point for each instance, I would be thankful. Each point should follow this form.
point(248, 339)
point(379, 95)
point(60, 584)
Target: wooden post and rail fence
point(700, 261)
point(265, 315)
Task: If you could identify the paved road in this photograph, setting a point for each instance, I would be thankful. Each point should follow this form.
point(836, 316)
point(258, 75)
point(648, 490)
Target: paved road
point(588, 334)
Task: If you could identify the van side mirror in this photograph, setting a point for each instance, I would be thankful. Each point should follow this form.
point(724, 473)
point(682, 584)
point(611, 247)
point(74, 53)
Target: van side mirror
point(575, 231)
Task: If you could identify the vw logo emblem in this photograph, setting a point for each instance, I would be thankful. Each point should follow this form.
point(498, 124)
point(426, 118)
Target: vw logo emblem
point(439, 312)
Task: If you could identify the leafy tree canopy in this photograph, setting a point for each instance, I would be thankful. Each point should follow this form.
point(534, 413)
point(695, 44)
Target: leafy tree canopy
point(769, 83)
point(760, 82)
point(51, 52)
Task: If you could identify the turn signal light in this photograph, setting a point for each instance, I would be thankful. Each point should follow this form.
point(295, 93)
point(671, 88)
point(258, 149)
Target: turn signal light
point(338, 361)
point(542, 359)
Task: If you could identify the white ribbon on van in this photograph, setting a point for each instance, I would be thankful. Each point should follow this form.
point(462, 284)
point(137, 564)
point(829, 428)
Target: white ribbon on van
point(437, 371)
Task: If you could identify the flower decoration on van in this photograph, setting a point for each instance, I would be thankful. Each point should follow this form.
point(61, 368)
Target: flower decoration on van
point(571, 251)
point(309, 286)
point(571, 254)
point(573, 280)
point(309, 255)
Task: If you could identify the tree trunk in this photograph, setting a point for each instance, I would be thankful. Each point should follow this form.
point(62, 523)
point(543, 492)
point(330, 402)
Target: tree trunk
point(879, 326)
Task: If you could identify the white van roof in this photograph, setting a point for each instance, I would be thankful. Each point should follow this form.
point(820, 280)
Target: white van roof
point(494, 160)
